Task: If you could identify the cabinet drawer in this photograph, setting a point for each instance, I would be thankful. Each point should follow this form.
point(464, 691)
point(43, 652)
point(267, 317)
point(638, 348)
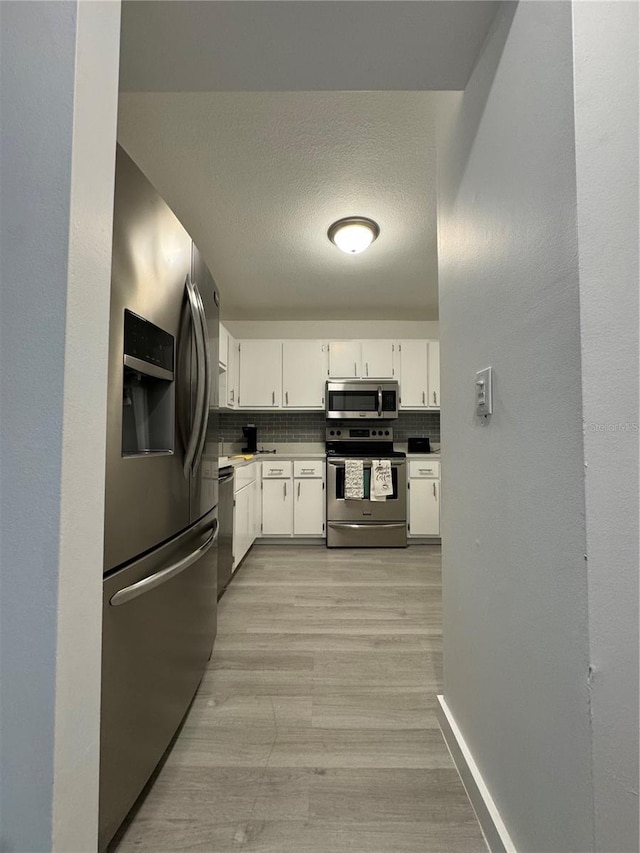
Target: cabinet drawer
point(309, 469)
point(276, 470)
point(423, 469)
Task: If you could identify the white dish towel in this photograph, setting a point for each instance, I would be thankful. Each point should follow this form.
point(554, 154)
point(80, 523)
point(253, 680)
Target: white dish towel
point(381, 482)
point(353, 479)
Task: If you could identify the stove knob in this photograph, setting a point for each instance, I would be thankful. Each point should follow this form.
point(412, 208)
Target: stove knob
point(386, 432)
point(339, 432)
point(332, 432)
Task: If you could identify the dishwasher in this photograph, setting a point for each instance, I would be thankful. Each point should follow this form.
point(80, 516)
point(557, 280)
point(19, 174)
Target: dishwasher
point(225, 522)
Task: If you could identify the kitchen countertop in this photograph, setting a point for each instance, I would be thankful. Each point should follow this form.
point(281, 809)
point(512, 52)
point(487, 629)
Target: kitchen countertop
point(226, 461)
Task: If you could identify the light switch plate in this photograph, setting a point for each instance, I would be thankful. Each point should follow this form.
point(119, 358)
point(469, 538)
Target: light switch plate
point(484, 392)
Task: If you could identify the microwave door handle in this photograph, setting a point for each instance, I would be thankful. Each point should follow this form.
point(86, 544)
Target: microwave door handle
point(206, 359)
point(192, 444)
point(379, 401)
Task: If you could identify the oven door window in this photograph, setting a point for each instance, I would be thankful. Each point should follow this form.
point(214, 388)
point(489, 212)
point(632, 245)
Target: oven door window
point(367, 483)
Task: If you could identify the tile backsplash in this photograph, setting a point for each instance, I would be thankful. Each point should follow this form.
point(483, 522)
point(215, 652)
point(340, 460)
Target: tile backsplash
point(287, 427)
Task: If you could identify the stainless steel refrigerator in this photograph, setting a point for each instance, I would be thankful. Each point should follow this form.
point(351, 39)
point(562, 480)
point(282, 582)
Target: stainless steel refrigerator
point(161, 525)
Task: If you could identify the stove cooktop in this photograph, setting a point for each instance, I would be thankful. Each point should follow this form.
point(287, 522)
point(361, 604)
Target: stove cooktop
point(357, 441)
point(371, 451)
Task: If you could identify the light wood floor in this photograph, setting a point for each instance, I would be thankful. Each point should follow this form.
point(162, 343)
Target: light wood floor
point(314, 729)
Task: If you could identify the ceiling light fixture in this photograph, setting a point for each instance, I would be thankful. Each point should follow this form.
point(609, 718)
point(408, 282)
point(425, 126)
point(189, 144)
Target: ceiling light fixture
point(353, 234)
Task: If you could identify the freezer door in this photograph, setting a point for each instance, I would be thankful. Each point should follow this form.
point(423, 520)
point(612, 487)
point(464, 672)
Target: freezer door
point(204, 479)
point(159, 624)
point(147, 492)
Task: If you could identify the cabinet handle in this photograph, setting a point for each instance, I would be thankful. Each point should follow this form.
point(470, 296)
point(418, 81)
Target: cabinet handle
point(355, 369)
point(286, 397)
point(367, 366)
point(434, 491)
point(298, 491)
point(233, 394)
point(434, 398)
point(423, 400)
point(273, 398)
point(285, 488)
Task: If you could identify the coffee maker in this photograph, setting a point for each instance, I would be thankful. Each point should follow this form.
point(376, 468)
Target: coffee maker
point(250, 433)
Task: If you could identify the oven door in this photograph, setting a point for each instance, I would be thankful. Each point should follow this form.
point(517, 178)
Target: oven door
point(351, 400)
point(394, 508)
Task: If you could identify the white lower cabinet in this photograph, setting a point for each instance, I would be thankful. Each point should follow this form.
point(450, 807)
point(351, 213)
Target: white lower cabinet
point(309, 503)
point(277, 507)
point(424, 498)
point(293, 498)
point(244, 511)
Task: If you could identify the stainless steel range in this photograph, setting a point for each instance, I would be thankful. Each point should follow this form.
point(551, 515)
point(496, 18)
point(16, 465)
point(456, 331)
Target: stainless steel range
point(365, 522)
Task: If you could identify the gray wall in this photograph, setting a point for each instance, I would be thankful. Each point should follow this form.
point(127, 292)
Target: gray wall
point(35, 172)
point(514, 574)
point(58, 72)
point(606, 96)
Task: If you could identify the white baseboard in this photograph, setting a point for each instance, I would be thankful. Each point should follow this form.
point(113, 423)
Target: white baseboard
point(493, 828)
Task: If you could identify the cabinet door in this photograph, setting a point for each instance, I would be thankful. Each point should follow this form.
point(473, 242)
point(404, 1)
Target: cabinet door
point(223, 351)
point(344, 359)
point(260, 382)
point(257, 509)
point(232, 373)
point(277, 507)
point(424, 507)
point(304, 373)
point(241, 541)
point(308, 512)
point(413, 378)
point(434, 373)
point(377, 359)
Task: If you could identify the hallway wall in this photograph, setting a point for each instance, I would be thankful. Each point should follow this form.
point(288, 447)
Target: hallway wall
point(59, 80)
point(516, 662)
point(606, 109)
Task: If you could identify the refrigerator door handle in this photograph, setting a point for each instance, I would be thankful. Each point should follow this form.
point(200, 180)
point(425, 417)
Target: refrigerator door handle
point(196, 428)
point(153, 581)
point(206, 358)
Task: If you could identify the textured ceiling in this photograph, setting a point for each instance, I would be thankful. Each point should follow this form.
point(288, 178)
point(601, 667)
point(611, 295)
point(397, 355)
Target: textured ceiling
point(223, 105)
point(258, 178)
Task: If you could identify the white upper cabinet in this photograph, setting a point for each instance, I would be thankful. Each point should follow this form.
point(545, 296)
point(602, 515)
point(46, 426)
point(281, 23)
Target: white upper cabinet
point(419, 374)
point(378, 359)
point(345, 359)
point(304, 373)
point(434, 374)
point(228, 367)
point(414, 386)
point(223, 352)
point(260, 374)
point(232, 374)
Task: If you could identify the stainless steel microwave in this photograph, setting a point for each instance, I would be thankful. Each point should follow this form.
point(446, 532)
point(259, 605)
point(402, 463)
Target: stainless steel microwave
point(361, 399)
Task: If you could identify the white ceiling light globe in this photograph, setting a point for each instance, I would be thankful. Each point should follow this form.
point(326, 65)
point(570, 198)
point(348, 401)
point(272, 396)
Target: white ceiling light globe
point(353, 234)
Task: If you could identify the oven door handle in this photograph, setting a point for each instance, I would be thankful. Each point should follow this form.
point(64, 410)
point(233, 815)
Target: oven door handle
point(395, 463)
point(368, 525)
point(379, 401)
